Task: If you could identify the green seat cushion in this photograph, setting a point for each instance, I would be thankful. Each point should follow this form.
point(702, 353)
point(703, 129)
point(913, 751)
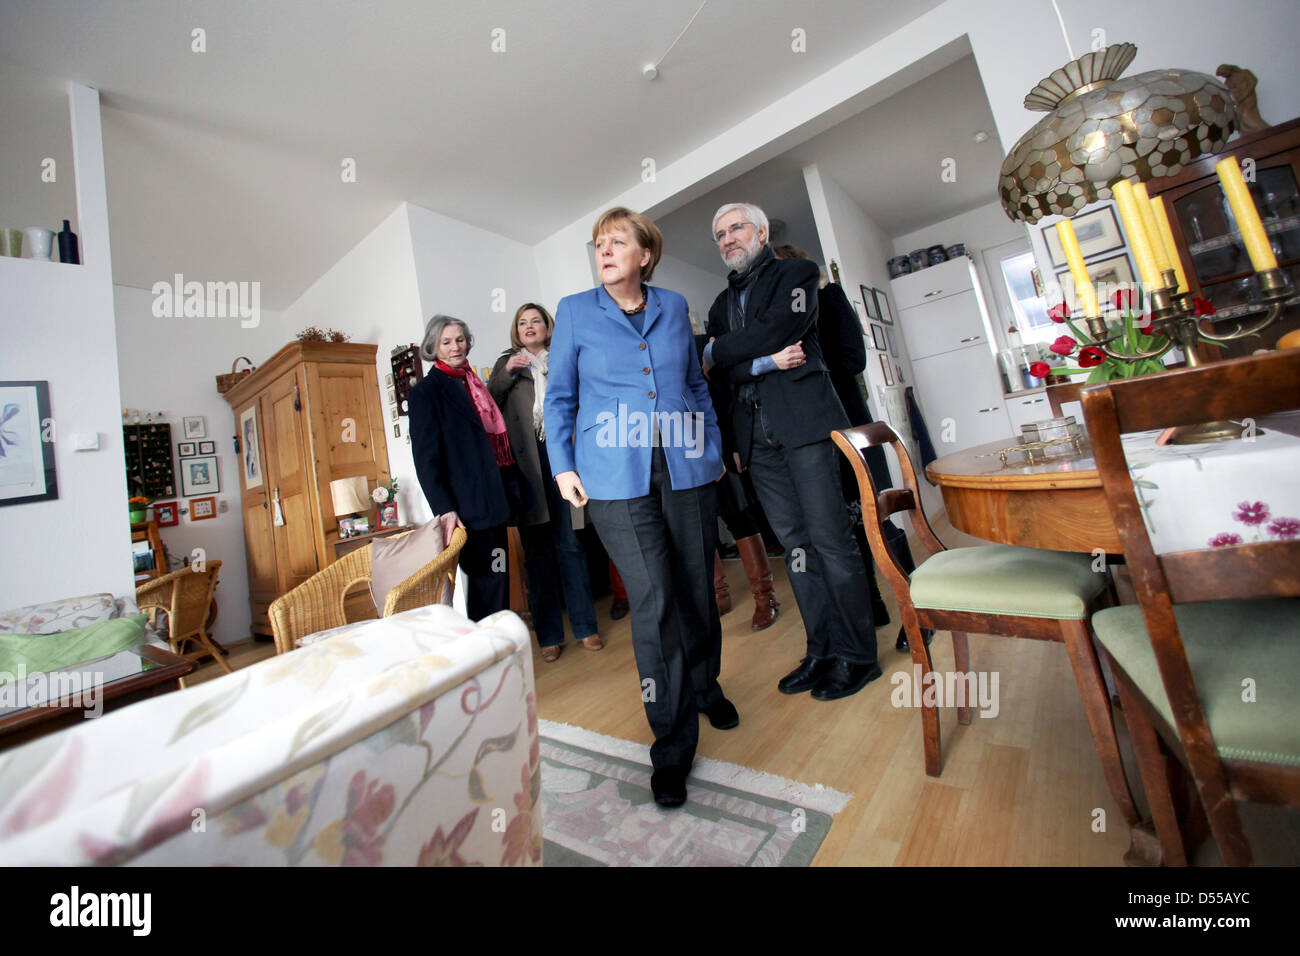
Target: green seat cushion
point(1004, 579)
point(36, 653)
point(1226, 642)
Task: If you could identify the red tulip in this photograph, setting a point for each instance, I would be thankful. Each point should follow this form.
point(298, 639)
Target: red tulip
point(1124, 299)
point(1203, 306)
point(1090, 356)
point(1064, 345)
point(1040, 370)
point(1059, 312)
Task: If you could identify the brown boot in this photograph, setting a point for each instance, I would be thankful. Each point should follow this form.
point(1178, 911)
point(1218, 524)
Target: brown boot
point(759, 572)
point(720, 591)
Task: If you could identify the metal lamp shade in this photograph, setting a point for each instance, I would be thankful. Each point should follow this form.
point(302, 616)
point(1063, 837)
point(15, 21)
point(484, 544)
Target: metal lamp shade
point(350, 495)
point(1101, 129)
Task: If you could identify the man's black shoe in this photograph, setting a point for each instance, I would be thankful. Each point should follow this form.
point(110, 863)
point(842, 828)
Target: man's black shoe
point(901, 644)
point(668, 784)
point(722, 715)
point(845, 679)
point(805, 676)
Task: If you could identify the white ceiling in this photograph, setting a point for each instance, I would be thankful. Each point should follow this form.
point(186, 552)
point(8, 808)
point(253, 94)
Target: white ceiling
point(226, 164)
point(888, 158)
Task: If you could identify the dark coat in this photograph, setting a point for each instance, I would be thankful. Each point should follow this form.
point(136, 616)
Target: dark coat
point(799, 403)
point(453, 454)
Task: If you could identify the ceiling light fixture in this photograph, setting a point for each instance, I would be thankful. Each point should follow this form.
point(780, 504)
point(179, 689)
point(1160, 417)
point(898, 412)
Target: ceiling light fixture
point(1101, 129)
point(651, 70)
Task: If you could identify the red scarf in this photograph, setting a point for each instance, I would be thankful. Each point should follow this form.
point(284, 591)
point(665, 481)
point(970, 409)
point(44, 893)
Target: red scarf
point(488, 413)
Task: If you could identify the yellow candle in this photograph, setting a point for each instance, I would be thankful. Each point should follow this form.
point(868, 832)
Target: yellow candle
point(1153, 232)
point(1252, 230)
point(1135, 226)
point(1083, 288)
point(1167, 237)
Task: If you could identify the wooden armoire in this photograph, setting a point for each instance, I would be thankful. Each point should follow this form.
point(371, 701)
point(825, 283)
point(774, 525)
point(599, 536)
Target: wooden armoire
point(308, 415)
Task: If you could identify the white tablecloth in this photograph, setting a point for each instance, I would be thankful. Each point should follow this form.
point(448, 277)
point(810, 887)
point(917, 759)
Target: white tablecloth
point(1217, 495)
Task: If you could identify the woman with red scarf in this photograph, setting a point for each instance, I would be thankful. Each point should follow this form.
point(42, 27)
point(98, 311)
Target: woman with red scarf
point(463, 460)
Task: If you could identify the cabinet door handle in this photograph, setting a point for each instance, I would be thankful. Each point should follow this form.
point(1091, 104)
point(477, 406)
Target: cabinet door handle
point(935, 292)
point(992, 408)
point(973, 338)
point(1038, 401)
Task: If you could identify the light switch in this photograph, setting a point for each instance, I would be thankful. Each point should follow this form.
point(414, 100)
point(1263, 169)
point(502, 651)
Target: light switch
point(223, 506)
point(85, 441)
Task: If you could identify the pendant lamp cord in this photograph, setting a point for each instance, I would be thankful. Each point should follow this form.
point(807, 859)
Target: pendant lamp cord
point(683, 33)
point(1060, 19)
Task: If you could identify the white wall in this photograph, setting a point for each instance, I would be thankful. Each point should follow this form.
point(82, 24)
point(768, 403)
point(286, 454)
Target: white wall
point(169, 365)
point(699, 287)
point(58, 327)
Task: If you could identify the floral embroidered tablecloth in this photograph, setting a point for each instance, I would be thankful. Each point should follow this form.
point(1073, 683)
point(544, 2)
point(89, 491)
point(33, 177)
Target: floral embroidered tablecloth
point(1218, 495)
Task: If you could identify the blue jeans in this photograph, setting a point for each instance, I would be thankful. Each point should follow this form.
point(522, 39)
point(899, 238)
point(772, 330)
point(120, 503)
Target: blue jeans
point(554, 560)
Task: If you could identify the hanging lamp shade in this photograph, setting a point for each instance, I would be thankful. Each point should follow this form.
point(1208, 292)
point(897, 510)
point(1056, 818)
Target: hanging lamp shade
point(1101, 129)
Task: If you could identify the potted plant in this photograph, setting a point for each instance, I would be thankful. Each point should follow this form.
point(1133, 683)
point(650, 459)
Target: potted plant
point(138, 505)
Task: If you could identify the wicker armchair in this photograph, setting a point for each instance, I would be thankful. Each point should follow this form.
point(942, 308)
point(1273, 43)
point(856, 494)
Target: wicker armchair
point(317, 603)
point(186, 596)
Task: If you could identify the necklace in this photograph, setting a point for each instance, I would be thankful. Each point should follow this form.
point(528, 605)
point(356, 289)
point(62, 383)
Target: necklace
point(639, 308)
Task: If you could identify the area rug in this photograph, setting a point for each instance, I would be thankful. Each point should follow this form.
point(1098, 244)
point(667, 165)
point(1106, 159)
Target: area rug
point(598, 810)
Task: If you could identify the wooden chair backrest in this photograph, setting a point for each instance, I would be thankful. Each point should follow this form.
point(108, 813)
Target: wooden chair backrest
point(879, 505)
point(1058, 395)
point(1233, 389)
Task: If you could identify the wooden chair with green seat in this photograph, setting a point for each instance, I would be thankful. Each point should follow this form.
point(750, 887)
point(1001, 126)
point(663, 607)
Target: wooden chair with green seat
point(989, 589)
point(1205, 620)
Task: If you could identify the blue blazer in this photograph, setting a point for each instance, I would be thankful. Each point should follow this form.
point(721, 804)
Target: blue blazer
point(609, 387)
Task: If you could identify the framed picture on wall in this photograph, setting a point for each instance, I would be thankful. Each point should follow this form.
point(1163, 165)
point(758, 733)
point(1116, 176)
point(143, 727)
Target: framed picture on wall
point(27, 443)
point(203, 508)
point(207, 448)
point(1097, 232)
point(166, 513)
point(869, 300)
point(882, 306)
point(249, 456)
point(878, 337)
point(886, 370)
point(1107, 275)
point(194, 427)
point(199, 476)
point(892, 342)
point(861, 313)
point(186, 449)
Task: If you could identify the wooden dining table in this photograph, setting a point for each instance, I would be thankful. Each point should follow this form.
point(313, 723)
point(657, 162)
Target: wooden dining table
point(1055, 503)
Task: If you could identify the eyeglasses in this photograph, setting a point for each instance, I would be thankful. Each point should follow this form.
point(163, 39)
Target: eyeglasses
point(731, 230)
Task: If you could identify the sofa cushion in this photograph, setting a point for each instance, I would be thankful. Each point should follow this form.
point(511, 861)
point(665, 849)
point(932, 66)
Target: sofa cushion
point(1004, 579)
point(26, 654)
point(51, 617)
point(393, 560)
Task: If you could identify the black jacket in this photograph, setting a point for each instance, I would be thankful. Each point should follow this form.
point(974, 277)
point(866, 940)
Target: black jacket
point(799, 403)
point(453, 454)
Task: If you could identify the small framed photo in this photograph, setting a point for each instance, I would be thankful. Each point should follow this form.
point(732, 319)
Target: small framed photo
point(878, 338)
point(395, 413)
point(203, 508)
point(199, 476)
point(166, 513)
point(186, 449)
point(892, 341)
point(207, 448)
point(886, 370)
point(392, 396)
point(882, 306)
point(1097, 232)
point(361, 525)
point(345, 528)
point(388, 515)
point(899, 369)
point(869, 301)
point(397, 429)
point(193, 426)
point(388, 381)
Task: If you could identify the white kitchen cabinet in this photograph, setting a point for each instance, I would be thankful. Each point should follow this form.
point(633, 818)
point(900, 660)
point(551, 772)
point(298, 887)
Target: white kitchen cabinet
point(1028, 409)
point(953, 322)
point(961, 398)
point(932, 284)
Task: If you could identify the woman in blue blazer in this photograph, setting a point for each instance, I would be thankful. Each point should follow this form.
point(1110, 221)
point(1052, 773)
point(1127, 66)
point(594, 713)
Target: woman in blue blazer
point(632, 431)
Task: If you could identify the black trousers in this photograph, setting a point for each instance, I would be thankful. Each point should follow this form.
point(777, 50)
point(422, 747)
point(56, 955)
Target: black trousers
point(662, 545)
point(485, 561)
point(801, 494)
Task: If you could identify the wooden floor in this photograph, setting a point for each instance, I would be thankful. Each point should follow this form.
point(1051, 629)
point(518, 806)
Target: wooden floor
point(1023, 788)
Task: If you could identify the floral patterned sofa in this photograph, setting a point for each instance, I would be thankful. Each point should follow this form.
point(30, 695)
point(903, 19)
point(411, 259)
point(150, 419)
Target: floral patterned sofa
point(410, 740)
